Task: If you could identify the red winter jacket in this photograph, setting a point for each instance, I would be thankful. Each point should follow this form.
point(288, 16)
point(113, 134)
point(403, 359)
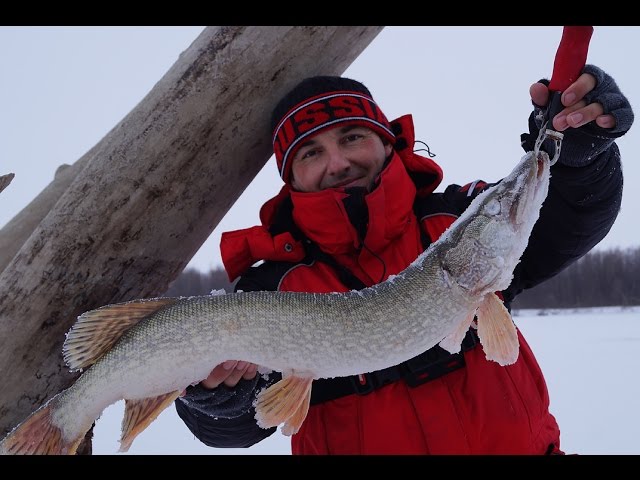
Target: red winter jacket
point(482, 408)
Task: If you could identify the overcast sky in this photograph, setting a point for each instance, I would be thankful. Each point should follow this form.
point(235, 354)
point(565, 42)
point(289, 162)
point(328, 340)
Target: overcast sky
point(63, 88)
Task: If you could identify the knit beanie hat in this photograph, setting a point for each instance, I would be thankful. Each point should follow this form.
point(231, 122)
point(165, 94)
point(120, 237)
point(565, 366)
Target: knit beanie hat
point(318, 103)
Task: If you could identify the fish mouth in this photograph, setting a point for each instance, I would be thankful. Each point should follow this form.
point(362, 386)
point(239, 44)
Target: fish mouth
point(542, 164)
point(531, 183)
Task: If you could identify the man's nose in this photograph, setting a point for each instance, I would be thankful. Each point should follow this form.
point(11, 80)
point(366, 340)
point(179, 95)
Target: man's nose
point(337, 161)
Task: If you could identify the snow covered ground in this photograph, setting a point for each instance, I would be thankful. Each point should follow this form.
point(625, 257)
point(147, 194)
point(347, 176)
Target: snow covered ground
point(591, 359)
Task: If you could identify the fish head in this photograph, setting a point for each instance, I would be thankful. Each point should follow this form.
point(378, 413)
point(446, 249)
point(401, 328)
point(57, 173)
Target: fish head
point(494, 230)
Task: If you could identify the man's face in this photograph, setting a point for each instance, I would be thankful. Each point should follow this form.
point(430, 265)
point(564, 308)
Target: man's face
point(346, 156)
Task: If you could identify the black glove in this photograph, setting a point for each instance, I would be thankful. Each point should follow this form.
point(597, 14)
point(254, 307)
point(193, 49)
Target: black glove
point(226, 402)
point(580, 146)
point(612, 100)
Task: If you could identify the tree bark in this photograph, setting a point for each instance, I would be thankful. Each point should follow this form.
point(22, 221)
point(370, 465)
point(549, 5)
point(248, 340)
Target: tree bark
point(20, 227)
point(151, 193)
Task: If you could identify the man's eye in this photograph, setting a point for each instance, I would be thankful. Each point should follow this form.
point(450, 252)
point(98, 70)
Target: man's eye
point(308, 154)
point(352, 137)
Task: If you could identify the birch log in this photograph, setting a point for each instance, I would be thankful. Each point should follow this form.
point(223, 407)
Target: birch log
point(20, 227)
point(152, 191)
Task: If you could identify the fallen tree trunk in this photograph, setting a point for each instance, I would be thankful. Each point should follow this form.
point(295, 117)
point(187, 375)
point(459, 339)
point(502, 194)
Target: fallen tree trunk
point(151, 193)
point(21, 226)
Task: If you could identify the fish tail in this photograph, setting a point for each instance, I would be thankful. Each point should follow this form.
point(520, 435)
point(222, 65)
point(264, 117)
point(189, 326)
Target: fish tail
point(37, 435)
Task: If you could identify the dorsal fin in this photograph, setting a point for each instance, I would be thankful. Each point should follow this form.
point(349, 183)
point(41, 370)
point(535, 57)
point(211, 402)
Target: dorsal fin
point(96, 331)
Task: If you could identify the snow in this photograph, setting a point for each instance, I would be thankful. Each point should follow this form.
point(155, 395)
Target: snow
point(589, 357)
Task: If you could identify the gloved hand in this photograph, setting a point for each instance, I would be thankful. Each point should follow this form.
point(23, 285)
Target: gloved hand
point(228, 402)
point(607, 94)
point(597, 115)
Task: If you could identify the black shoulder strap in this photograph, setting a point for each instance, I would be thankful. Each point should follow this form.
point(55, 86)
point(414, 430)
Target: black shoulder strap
point(419, 211)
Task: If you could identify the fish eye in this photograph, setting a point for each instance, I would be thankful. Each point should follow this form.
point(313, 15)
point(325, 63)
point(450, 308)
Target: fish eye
point(492, 207)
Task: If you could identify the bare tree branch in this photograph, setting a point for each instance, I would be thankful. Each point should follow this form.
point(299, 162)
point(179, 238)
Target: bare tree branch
point(5, 180)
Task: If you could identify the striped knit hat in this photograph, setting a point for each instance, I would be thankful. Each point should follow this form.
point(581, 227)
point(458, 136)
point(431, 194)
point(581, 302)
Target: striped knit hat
point(318, 103)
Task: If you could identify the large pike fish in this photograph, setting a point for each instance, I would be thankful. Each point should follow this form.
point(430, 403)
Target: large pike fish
point(148, 351)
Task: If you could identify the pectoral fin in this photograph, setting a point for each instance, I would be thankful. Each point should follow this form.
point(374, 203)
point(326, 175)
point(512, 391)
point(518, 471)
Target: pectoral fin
point(497, 331)
point(138, 415)
point(284, 402)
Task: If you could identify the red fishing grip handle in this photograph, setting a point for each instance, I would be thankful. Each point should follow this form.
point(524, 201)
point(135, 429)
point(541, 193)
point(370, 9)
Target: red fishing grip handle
point(571, 56)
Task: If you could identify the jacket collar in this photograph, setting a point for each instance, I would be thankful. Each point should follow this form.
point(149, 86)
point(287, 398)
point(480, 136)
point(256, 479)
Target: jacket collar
point(339, 221)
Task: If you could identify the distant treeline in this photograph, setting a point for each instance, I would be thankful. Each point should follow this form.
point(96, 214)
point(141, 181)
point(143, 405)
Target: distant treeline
point(600, 278)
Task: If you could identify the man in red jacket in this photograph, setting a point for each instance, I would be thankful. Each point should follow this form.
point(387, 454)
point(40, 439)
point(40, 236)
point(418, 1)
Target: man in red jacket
point(357, 206)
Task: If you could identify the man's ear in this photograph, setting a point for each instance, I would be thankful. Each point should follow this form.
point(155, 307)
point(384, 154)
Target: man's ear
point(388, 148)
